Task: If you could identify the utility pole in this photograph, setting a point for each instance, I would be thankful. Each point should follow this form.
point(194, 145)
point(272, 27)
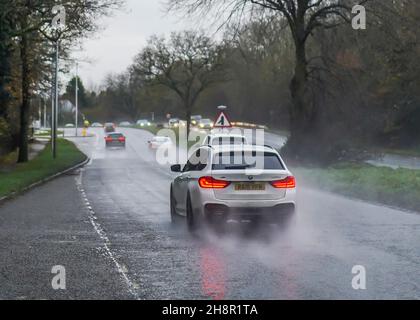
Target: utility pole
point(58, 22)
point(77, 98)
point(54, 120)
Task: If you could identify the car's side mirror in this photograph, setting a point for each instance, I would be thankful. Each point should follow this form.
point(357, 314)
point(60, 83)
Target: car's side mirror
point(176, 168)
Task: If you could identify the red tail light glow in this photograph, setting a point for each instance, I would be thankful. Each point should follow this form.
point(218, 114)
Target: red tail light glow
point(121, 139)
point(108, 139)
point(211, 183)
point(287, 183)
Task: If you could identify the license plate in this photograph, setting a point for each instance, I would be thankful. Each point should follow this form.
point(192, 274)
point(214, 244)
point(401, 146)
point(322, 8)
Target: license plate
point(253, 186)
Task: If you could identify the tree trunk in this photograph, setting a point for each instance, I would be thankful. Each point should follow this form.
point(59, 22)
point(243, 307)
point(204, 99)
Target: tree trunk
point(188, 115)
point(300, 113)
point(25, 107)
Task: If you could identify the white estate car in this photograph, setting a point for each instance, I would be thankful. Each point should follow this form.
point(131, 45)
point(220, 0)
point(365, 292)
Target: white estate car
point(159, 141)
point(224, 139)
point(242, 182)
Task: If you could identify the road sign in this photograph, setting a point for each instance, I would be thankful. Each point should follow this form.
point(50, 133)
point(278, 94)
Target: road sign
point(222, 121)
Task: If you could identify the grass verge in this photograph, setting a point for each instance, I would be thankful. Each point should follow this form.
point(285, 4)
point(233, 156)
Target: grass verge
point(43, 166)
point(398, 188)
point(414, 152)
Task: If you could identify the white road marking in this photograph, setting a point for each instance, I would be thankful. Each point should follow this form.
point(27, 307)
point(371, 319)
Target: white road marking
point(122, 270)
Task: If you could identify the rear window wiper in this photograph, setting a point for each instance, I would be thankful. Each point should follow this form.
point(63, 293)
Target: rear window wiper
point(239, 167)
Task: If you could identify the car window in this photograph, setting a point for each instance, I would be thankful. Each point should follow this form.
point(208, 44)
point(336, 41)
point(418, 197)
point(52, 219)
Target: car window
point(249, 160)
point(116, 135)
point(161, 139)
point(228, 140)
point(198, 161)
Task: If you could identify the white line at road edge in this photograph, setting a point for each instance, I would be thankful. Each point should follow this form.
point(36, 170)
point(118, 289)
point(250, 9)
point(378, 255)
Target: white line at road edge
point(106, 242)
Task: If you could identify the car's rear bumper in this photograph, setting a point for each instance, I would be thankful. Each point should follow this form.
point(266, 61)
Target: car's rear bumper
point(212, 210)
point(115, 144)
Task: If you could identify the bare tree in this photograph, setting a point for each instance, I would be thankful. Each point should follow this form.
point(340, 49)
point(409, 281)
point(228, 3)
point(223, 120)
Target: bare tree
point(32, 18)
point(188, 64)
point(303, 17)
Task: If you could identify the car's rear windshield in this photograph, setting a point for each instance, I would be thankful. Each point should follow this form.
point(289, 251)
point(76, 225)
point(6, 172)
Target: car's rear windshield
point(246, 160)
point(161, 139)
point(228, 141)
point(116, 135)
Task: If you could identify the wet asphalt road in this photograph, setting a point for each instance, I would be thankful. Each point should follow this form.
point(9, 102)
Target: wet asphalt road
point(110, 226)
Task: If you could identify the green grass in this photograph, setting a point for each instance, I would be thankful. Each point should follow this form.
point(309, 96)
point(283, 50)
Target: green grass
point(414, 152)
point(399, 188)
point(43, 166)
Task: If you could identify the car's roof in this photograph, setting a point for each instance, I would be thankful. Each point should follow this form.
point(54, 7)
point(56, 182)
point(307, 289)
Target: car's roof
point(240, 148)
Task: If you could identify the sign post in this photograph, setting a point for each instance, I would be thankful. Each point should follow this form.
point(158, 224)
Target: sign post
point(222, 120)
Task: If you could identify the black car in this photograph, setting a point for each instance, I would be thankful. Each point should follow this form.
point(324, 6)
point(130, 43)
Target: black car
point(109, 127)
point(115, 140)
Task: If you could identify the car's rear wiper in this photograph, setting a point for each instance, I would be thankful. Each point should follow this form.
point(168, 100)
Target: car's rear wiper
point(239, 167)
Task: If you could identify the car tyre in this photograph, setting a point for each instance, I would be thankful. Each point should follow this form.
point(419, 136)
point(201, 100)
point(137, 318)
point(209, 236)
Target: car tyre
point(174, 214)
point(287, 220)
point(192, 221)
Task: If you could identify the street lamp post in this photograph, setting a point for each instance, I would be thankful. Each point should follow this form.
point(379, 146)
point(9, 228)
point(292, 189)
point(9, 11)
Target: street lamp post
point(54, 119)
point(77, 98)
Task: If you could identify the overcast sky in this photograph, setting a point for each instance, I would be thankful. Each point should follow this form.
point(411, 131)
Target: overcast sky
point(123, 36)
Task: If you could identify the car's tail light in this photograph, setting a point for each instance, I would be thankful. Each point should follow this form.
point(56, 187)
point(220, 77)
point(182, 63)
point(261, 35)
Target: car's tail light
point(121, 139)
point(109, 139)
point(211, 183)
point(287, 183)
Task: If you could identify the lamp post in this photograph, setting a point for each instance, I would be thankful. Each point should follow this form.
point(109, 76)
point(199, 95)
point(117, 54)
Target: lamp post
point(54, 120)
point(77, 98)
point(58, 23)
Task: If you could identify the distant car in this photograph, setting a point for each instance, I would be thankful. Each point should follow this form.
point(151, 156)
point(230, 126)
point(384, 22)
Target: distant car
point(69, 125)
point(109, 127)
point(174, 123)
point(115, 139)
point(125, 124)
point(206, 124)
point(97, 125)
point(241, 183)
point(195, 120)
point(144, 123)
point(159, 141)
point(225, 139)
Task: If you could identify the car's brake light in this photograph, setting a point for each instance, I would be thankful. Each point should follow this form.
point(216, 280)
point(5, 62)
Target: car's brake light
point(109, 139)
point(287, 183)
point(211, 183)
point(121, 139)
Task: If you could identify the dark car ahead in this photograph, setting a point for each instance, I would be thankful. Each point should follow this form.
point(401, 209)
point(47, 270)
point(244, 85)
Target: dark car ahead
point(115, 140)
point(109, 127)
